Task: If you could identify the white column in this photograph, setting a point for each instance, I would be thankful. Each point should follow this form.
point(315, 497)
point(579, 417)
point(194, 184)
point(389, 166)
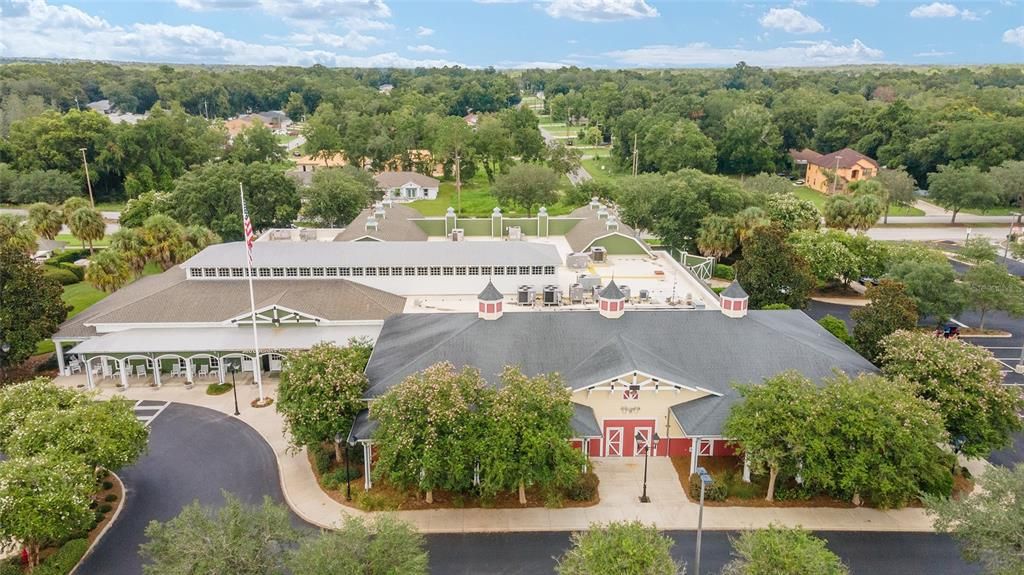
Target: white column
point(60, 356)
point(188, 369)
point(367, 456)
point(746, 468)
point(124, 369)
point(156, 372)
point(88, 374)
point(694, 450)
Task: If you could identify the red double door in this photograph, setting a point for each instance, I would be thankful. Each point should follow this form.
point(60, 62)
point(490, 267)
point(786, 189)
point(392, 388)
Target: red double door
point(627, 437)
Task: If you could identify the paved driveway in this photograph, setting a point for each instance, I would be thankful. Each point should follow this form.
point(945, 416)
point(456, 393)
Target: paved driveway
point(194, 453)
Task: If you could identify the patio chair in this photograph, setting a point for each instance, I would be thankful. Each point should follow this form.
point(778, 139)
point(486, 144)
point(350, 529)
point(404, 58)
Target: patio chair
point(175, 369)
point(140, 371)
point(204, 370)
point(75, 366)
point(107, 370)
point(246, 364)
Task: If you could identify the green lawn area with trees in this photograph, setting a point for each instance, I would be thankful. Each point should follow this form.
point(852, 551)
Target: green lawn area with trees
point(818, 199)
point(479, 201)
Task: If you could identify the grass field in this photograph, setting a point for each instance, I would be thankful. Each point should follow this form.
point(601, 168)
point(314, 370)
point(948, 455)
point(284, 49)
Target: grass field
point(818, 199)
point(74, 242)
point(1005, 211)
point(477, 200)
point(607, 175)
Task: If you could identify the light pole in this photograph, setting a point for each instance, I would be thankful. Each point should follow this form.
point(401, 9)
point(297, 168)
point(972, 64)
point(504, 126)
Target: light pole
point(705, 480)
point(88, 181)
point(4, 349)
point(234, 388)
point(1009, 237)
point(649, 442)
point(338, 439)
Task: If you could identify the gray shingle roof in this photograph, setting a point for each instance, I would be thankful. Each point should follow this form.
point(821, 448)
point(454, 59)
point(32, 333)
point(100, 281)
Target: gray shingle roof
point(735, 291)
point(704, 415)
point(363, 427)
point(699, 349)
point(358, 254)
point(490, 293)
point(390, 180)
point(397, 226)
point(171, 298)
point(611, 291)
point(590, 227)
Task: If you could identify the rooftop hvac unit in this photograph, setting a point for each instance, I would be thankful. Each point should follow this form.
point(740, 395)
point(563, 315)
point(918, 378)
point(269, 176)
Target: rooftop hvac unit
point(552, 295)
point(625, 290)
point(281, 235)
point(525, 295)
point(599, 255)
point(589, 282)
point(515, 233)
point(458, 234)
point(575, 293)
point(645, 295)
point(577, 261)
point(307, 235)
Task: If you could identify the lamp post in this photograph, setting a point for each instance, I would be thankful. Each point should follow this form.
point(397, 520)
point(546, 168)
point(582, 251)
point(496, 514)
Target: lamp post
point(4, 349)
point(88, 182)
point(705, 480)
point(649, 442)
point(234, 389)
point(338, 440)
point(1009, 237)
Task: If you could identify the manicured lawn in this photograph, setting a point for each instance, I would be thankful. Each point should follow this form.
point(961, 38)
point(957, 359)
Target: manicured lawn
point(477, 200)
point(74, 242)
point(607, 175)
point(818, 199)
point(79, 296)
point(1004, 211)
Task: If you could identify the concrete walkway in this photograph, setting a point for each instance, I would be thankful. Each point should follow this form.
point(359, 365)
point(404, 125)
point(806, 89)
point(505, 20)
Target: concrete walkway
point(621, 484)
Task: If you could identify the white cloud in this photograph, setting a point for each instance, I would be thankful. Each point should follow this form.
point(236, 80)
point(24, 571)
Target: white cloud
point(700, 54)
point(351, 41)
point(790, 20)
point(868, 3)
point(543, 65)
point(1014, 36)
point(424, 31)
point(33, 28)
point(600, 10)
point(942, 10)
point(425, 49)
point(207, 5)
point(932, 54)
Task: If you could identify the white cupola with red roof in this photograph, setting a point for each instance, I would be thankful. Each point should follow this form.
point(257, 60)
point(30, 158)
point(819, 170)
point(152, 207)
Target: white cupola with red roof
point(734, 300)
point(489, 303)
point(611, 302)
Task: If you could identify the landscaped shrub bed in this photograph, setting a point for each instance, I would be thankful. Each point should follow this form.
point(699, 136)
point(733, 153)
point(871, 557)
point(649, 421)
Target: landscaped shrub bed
point(218, 388)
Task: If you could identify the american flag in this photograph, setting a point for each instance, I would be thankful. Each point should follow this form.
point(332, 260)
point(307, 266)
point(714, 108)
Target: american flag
point(250, 237)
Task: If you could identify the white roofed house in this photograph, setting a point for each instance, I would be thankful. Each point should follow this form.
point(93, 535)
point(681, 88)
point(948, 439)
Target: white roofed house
point(407, 186)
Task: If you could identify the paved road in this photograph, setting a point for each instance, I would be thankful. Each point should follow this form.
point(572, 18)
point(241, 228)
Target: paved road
point(193, 453)
point(929, 234)
point(534, 553)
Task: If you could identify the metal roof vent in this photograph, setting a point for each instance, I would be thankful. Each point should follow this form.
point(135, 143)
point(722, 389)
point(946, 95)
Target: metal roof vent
point(602, 213)
point(612, 224)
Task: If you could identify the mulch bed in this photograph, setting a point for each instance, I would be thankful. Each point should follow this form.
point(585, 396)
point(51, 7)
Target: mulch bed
point(400, 500)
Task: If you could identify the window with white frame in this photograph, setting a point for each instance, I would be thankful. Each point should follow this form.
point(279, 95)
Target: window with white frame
point(473, 270)
point(460, 270)
point(345, 272)
point(384, 271)
point(210, 272)
point(305, 272)
point(537, 270)
point(411, 271)
point(318, 272)
point(292, 272)
point(238, 272)
point(357, 271)
point(331, 272)
point(435, 270)
point(631, 393)
point(371, 271)
point(485, 270)
point(223, 272)
point(396, 270)
point(524, 270)
point(549, 270)
point(499, 270)
point(421, 270)
point(449, 270)
point(195, 272)
point(278, 272)
point(264, 272)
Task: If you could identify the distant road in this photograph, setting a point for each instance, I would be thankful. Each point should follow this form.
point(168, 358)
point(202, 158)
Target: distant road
point(109, 216)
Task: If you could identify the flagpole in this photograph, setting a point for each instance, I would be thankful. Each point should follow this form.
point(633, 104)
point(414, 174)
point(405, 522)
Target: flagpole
point(252, 305)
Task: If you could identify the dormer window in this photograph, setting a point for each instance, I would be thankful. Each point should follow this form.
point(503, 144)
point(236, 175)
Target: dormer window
point(631, 393)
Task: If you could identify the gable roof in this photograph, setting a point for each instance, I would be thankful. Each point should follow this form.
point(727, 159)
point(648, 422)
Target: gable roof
point(389, 180)
point(846, 158)
point(171, 298)
point(397, 226)
point(703, 350)
point(590, 228)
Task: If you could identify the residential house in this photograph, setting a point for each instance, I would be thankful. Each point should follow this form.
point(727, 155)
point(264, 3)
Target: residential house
point(847, 164)
point(407, 186)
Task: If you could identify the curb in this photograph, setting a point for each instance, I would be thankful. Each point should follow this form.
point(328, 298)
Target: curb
point(124, 501)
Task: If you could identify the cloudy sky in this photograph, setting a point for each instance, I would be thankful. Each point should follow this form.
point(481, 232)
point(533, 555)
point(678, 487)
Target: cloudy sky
point(516, 33)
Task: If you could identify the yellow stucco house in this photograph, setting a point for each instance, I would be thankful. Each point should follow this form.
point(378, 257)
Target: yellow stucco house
point(848, 164)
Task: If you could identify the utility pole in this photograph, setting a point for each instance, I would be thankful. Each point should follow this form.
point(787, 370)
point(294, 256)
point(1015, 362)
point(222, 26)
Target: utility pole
point(458, 180)
point(88, 182)
point(635, 157)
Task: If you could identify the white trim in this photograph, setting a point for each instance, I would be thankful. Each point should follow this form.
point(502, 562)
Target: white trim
point(610, 233)
point(271, 314)
point(645, 386)
point(607, 441)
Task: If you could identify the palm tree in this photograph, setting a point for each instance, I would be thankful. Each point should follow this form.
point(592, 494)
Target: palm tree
point(132, 247)
point(164, 238)
point(749, 220)
point(17, 234)
point(88, 226)
point(72, 205)
point(45, 219)
point(196, 239)
point(108, 271)
point(717, 237)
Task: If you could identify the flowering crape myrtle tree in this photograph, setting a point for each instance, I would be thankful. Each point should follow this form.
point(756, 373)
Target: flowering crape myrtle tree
point(963, 380)
point(321, 391)
point(431, 429)
point(18, 402)
point(44, 500)
point(528, 437)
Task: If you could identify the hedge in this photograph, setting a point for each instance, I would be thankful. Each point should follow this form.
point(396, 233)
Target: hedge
point(725, 272)
point(68, 256)
point(64, 276)
point(716, 491)
point(79, 271)
point(65, 559)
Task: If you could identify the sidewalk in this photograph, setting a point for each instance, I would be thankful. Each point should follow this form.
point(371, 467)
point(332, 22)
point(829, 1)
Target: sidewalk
point(621, 484)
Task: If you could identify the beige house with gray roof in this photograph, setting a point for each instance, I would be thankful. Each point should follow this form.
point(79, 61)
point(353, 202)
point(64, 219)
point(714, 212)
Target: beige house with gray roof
point(407, 186)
